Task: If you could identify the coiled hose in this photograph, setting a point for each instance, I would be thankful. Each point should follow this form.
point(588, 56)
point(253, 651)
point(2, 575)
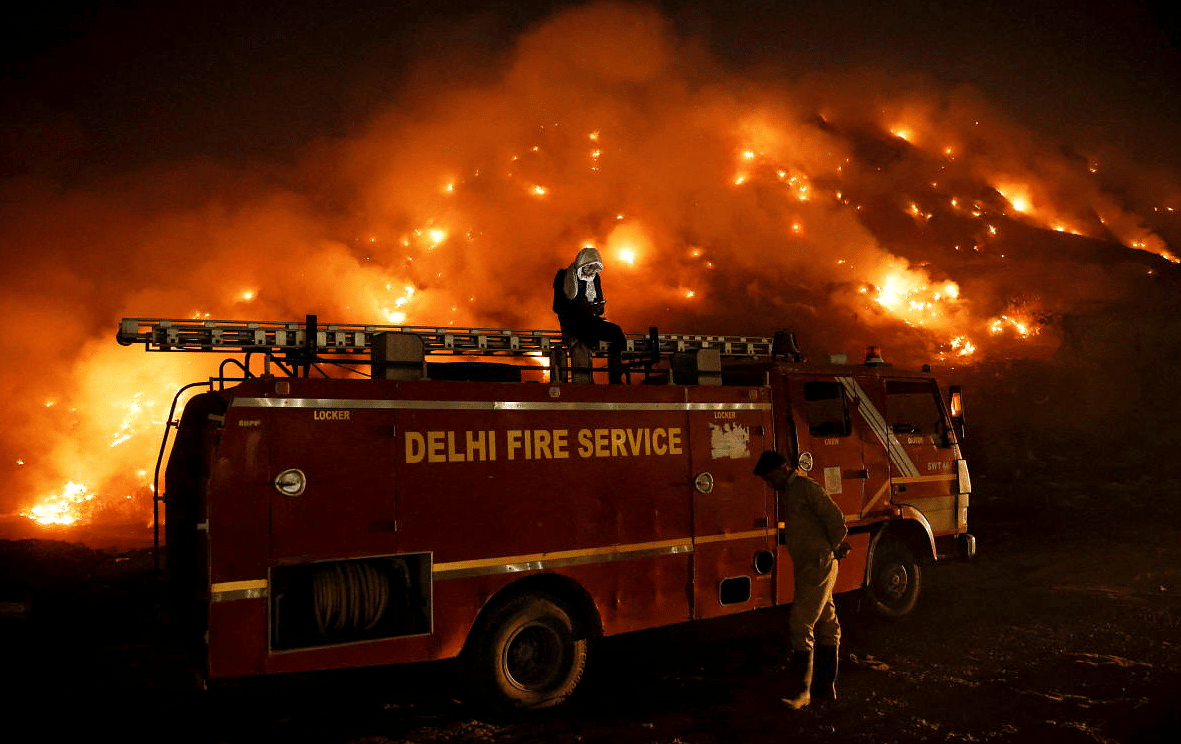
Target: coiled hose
point(349, 597)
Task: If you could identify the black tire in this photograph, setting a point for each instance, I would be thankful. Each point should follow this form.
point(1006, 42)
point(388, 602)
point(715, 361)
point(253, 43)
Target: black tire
point(526, 655)
point(895, 578)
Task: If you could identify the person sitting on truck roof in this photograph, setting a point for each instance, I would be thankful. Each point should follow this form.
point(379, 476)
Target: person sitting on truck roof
point(579, 304)
point(815, 533)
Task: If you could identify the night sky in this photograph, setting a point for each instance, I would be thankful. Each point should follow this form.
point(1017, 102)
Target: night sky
point(98, 88)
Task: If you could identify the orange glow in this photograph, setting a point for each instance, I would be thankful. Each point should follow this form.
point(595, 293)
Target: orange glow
point(1021, 326)
point(1017, 195)
point(65, 507)
point(961, 346)
point(456, 205)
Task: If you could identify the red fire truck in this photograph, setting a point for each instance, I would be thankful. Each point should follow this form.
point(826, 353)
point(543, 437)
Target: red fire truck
point(373, 496)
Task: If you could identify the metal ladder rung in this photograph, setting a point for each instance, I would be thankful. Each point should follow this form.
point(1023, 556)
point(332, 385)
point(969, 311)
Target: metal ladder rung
point(171, 334)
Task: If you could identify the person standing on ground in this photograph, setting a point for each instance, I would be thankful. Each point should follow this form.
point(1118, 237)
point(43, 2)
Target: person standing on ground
point(815, 533)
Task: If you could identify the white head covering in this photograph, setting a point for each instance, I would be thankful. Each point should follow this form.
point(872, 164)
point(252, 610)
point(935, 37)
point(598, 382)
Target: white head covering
point(586, 265)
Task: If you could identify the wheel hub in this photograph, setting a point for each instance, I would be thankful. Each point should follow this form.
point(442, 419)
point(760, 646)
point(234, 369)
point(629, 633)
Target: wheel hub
point(894, 581)
point(533, 656)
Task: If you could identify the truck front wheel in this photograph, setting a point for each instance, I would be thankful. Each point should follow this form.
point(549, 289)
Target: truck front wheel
point(895, 578)
point(527, 654)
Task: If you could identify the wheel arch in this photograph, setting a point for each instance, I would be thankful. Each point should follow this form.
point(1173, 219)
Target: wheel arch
point(567, 591)
point(902, 546)
point(912, 528)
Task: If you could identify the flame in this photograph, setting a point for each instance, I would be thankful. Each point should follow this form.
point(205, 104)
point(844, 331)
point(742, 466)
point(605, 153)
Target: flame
point(1017, 195)
point(723, 212)
point(960, 346)
point(912, 297)
point(1020, 324)
point(67, 506)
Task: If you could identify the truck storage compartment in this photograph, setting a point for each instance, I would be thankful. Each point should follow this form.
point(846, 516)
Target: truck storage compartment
point(333, 602)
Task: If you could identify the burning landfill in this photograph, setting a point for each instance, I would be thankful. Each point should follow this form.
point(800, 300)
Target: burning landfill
point(852, 208)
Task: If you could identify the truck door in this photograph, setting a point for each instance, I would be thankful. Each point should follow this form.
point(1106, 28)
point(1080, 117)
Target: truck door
point(733, 530)
point(824, 429)
point(924, 467)
point(831, 440)
point(867, 399)
point(347, 505)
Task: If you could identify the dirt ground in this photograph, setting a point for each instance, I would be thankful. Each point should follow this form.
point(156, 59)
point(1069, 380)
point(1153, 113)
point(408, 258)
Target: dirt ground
point(1067, 628)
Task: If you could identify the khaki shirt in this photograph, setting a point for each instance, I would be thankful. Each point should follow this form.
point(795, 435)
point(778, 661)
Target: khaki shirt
point(814, 523)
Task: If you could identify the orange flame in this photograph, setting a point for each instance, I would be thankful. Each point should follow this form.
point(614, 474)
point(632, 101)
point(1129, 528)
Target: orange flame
point(704, 203)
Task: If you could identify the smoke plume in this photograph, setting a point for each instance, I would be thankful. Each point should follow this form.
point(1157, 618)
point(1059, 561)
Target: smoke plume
point(851, 207)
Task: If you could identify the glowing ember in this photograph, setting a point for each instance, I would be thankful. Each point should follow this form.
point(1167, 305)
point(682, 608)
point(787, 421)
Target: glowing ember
point(67, 506)
point(909, 295)
point(1017, 196)
point(1020, 326)
point(961, 346)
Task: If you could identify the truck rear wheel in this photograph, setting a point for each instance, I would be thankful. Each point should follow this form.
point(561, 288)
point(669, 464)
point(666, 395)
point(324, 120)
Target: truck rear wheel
point(527, 654)
point(895, 578)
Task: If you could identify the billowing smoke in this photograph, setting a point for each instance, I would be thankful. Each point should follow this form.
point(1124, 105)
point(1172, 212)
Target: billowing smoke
point(853, 208)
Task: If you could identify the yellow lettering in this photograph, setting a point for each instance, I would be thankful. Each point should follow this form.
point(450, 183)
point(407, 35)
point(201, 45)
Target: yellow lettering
point(601, 436)
point(560, 451)
point(415, 447)
point(658, 446)
point(476, 445)
point(514, 442)
point(434, 447)
point(635, 438)
point(541, 444)
point(618, 440)
point(674, 441)
point(452, 455)
point(584, 443)
point(491, 445)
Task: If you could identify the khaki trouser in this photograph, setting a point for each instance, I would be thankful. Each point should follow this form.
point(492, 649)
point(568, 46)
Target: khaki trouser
point(813, 614)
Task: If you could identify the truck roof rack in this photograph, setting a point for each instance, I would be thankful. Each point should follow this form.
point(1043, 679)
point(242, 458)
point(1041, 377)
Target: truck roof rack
point(317, 339)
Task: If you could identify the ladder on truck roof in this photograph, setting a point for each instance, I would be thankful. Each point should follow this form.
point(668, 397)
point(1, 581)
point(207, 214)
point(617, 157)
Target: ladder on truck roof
point(399, 351)
point(228, 336)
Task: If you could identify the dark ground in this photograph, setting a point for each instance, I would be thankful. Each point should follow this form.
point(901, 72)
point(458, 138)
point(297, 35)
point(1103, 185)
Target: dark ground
point(1067, 628)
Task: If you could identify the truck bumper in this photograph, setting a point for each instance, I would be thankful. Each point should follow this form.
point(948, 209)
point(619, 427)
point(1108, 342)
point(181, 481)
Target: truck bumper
point(965, 546)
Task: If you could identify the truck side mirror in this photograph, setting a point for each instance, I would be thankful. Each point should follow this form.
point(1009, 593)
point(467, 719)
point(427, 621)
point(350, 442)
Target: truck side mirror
point(956, 405)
